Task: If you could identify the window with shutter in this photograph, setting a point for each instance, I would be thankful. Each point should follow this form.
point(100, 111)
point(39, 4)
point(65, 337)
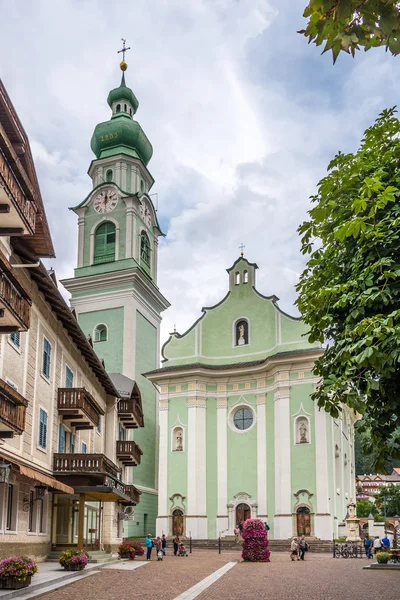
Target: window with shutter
point(42, 429)
point(62, 435)
point(104, 243)
point(144, 249)
point(69, 378)
point(72, 443)
point(46, 358)
point(15, 339)
point(84, 448)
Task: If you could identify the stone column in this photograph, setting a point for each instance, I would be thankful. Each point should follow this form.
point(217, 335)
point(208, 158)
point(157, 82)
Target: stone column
point(261, 458)
point(283, 525)
point(118, 174)
point(81, 239)
point(196, 519)
point(162, 517)
point(222, 466)
point(323, 522)
point(123, 176)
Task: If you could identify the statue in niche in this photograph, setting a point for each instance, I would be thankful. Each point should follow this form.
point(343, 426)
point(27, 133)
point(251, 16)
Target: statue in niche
point(242, 333)
point(178, 441)
point(303, 432)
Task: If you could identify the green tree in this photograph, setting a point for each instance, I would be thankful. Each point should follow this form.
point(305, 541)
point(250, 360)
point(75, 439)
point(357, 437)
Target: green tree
point(392, 495)
point(349, 292)
point(349, 25)
point(365, 507)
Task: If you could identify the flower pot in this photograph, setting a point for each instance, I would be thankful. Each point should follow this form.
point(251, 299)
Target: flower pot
point(13, 584)
point(74, 567)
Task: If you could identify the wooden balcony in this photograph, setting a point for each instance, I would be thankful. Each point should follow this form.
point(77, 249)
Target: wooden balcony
point(130, 414)
point(79, 408)
point(129, 453)
point(15, 309)
point(12, 411)
point(133, 493)
point(85, 464)
point(18, 214)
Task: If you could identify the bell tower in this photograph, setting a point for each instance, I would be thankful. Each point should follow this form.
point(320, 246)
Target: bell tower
point(114, 289)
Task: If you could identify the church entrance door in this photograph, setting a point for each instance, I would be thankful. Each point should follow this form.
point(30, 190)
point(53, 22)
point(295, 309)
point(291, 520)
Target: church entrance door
point(177, 522)
point(303, 521)
point(242, 512)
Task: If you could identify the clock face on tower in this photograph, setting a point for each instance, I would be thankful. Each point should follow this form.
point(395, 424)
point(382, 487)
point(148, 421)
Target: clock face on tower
point(105, 201)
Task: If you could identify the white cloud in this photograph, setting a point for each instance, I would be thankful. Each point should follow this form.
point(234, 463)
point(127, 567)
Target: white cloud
point(243, 116)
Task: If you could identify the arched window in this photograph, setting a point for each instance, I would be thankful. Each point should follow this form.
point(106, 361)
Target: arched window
point(130, 111)
point(118, 109)
point(245, 277)
point(125, 108)
point(100, 333)
point(104, 243)
point(237, 278)
point(141, 185)
point(109, 175)
point(241, 333)
point(145, 249)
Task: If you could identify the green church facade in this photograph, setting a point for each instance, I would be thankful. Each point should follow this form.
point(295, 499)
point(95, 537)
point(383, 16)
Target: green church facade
point(114, 290)
point(239, 433)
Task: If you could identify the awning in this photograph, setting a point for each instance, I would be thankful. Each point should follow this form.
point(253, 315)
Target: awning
point(51, 482)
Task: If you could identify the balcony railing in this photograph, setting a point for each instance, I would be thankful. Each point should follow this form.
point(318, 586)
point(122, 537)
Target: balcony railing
point(130, 414)
point(12, 411)
point(84, 464)
point(128, 453)
point(12, 300)
point(25, 208)
point(78, 406)
point(133, 493)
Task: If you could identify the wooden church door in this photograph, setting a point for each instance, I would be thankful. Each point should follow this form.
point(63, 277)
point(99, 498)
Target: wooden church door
point(303, 521)
point(242, 513)
point(177, 522)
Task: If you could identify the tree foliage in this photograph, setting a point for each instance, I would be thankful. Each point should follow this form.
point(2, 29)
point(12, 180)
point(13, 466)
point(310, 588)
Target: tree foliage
point(349, 25)
point(365, 462)
point(392, 495)
point(349, 292)
point(365, 508)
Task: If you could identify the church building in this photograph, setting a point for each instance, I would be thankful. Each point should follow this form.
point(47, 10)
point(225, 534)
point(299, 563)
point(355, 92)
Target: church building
point(114, 291)
point(240, 435)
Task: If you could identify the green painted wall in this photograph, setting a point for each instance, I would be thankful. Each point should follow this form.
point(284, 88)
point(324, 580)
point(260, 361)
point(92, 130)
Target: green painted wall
point(147, 506)
point(302, 456)
point(146, 360)
point(177, 461)
point(242, 456)
point(111, 350)
point(211, 465)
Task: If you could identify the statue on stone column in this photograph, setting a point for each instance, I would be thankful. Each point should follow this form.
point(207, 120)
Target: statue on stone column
point(353, 523)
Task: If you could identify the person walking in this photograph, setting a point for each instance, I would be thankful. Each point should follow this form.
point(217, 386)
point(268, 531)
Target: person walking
point(368, 546)
point(149, 546)
point(293, 549)
point(386, 543)
point(159, 548)
point(176, 544)
point(302, 547)
point(163, 544)
point(377, 545)
point(236, 531)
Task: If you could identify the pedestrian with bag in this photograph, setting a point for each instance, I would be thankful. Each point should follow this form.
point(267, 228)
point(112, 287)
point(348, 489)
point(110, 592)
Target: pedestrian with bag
point(368, 546)
point(294, 549)
point(303, 547)
point(159, 548)
point(163, 544)
point(149, 546)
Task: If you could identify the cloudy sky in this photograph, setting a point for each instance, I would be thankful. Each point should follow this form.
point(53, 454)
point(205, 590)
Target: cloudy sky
point(243, 115)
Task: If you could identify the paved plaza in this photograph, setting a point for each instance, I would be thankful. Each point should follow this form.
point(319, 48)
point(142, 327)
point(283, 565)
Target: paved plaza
point(318, 577)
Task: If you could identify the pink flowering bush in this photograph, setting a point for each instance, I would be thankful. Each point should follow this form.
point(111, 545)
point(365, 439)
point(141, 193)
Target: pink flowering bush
point(73, 557)
point(19, 567)
point(255, 541)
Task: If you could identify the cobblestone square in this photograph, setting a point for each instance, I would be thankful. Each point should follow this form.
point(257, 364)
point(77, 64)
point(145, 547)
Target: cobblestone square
point(319, 577)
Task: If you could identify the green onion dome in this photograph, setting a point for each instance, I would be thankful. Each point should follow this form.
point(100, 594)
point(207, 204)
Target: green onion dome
point(121, 134)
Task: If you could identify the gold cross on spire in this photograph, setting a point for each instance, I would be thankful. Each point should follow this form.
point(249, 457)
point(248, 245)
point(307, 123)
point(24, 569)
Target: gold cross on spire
point(241, 247)
point(123, 49)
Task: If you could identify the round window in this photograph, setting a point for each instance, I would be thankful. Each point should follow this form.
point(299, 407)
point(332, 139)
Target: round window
point(243, 418)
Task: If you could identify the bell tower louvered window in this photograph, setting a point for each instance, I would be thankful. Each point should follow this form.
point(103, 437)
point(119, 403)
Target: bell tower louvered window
point(104, 243)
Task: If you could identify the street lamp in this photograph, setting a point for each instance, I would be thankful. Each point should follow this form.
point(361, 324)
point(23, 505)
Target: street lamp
point(5, 470)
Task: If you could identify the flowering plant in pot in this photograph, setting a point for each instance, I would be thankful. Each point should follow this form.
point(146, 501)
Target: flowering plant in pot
point(255, 541)
point(73, 560)
point(130, 549)
point(383, 557)
point(16, 572)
